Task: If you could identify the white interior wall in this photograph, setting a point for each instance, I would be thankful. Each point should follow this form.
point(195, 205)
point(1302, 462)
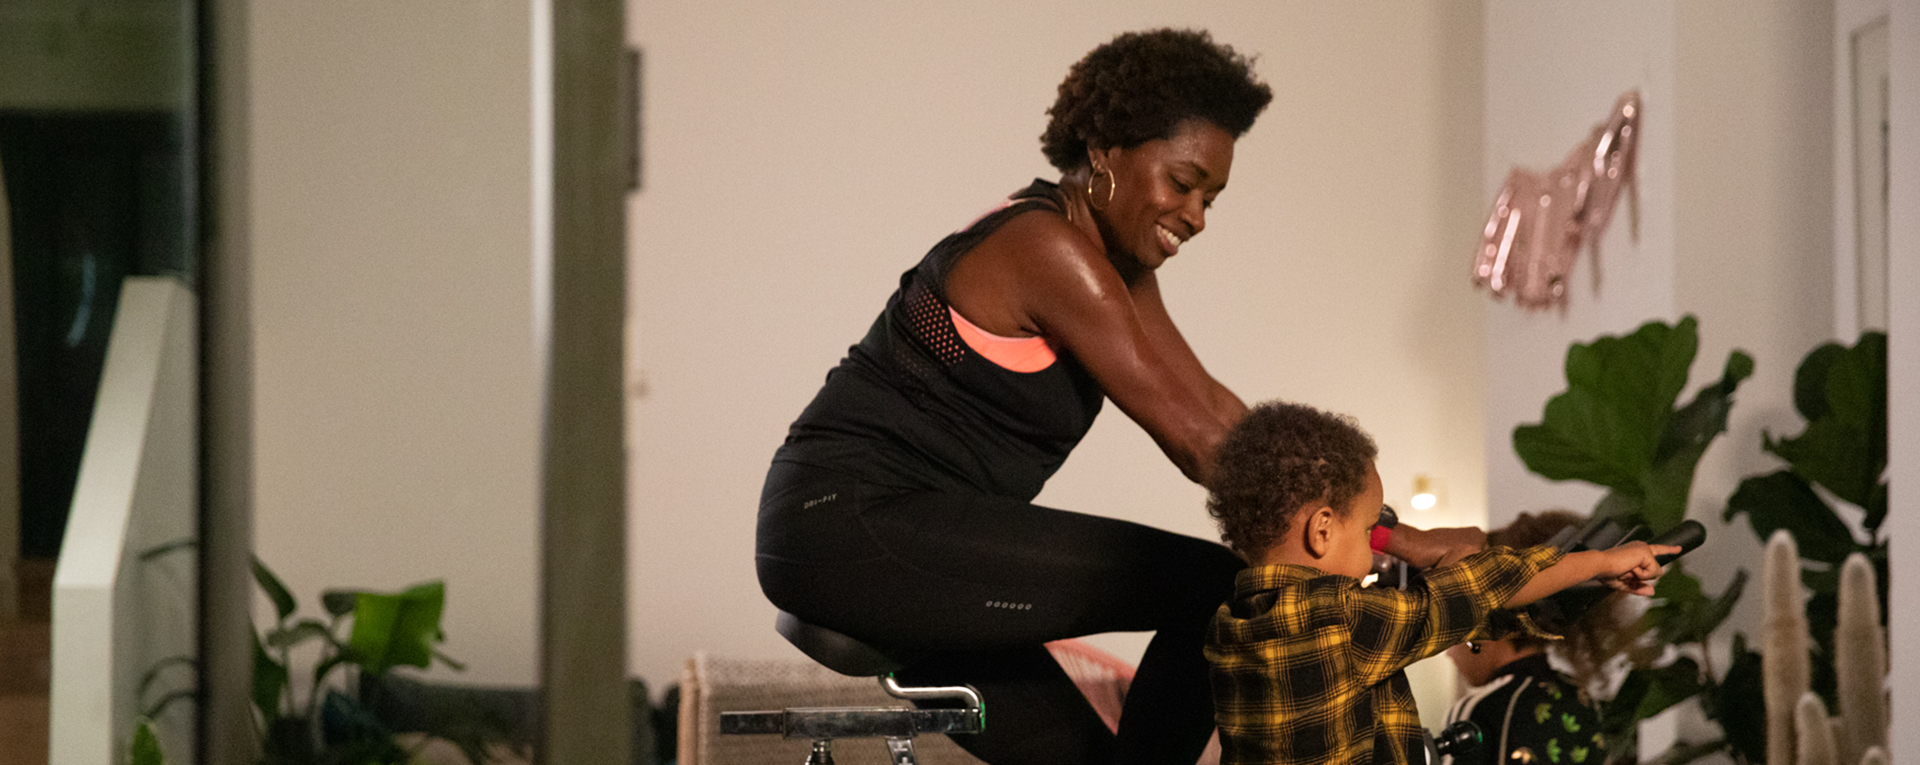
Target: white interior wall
point(800, 156)
point(1903, 371)
point(1735, 219)
point(1753, 240)
point(1553, 71)
point(396, 406)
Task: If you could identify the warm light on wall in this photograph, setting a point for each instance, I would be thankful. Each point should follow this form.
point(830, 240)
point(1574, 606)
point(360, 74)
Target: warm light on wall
point(1428, 492)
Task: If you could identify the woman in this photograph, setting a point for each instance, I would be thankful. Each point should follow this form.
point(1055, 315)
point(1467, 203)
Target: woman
point(898, 510)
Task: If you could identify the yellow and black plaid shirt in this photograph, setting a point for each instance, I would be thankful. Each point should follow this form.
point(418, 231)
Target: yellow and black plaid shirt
point(1308, 667)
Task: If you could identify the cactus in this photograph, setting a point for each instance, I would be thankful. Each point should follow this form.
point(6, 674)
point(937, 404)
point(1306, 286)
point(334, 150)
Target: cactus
point(1860, 661)
point(1799, 732)
point(1786, 670)
point(1813, 736)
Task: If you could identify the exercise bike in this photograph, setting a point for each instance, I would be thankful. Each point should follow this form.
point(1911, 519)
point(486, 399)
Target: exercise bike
point(897, 725)
point(1558, 611)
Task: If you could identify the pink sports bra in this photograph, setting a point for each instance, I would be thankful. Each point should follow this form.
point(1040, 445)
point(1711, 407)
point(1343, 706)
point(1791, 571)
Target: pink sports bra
point(1015, 354)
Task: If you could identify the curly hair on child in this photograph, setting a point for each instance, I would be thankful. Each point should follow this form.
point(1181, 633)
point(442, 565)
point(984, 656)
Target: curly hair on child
point(1279, 458)
point(1531, 530)
point(1141, 85)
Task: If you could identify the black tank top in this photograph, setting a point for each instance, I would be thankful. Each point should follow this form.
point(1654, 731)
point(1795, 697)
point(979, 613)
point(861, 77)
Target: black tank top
point(912, 406)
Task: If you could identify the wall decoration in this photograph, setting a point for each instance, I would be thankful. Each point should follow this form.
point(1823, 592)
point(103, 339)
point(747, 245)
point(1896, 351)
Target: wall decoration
point(1541, 220)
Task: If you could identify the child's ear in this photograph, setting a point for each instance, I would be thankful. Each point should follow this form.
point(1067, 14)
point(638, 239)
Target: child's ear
point(1319, 530)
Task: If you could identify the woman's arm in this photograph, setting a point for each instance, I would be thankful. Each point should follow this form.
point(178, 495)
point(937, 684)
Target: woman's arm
point(1164, 335)
point(1426, 548)
point(1038, 275)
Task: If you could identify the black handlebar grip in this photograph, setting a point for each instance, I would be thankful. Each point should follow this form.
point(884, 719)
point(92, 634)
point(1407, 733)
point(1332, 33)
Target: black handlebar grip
point(1686, 536)
point(1458, 739)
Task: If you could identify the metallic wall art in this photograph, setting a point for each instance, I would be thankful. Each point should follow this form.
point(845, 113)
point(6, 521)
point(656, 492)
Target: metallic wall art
point(1540, 220)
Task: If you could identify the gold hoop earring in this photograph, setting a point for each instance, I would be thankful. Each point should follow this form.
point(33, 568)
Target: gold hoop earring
point(1111, 183)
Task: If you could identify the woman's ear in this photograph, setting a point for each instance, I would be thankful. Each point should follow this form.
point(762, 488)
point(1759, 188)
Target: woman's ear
point(1319, 531)
point(1099, 158)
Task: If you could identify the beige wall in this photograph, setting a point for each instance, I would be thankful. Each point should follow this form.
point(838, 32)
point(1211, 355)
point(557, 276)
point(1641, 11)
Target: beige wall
point(1903, 368)
point(1753, 241)
point(1735, 223)
point(396, 407)
point(800, 156)
point(1734, 214)
point(1552, 71)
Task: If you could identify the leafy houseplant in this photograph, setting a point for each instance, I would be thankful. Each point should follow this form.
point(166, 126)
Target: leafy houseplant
point(1617, 426)
point(1601, 430)
point(1841, 454)
point(329, 727)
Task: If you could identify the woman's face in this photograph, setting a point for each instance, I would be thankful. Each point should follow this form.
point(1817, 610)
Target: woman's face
point(1161, 192)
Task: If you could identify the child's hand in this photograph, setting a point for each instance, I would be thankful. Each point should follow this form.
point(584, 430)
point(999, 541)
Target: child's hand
point(1631, 567)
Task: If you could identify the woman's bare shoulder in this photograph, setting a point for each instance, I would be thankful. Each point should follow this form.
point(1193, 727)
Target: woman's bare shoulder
point(1044, 246)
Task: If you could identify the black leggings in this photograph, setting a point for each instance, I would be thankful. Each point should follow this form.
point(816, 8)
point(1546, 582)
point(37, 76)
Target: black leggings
point(981, 582)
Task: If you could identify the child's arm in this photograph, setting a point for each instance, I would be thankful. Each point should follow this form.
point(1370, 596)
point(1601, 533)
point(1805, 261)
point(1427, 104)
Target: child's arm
point(1629, 568)
point(1390, 628)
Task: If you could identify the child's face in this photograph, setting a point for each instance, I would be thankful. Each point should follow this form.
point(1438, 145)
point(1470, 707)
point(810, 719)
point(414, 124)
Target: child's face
point(1351, 552)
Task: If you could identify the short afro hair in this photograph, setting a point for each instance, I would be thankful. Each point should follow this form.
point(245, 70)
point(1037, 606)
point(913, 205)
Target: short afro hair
point(1142, 85)
point(1277, 460)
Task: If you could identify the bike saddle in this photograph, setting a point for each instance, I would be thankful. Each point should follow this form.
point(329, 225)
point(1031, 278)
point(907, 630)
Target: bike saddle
point(839, 652)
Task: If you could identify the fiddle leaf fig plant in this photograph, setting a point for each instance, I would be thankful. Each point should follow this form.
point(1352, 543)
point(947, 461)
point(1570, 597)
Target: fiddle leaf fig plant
point(1841, 454)
point(1616, 424)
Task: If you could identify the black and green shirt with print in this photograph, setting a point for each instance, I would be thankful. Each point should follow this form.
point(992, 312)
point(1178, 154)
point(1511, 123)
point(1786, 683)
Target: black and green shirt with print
point(1530, 714)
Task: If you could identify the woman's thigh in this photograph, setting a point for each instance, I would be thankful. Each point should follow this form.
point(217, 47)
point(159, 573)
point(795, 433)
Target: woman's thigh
point(953, 571)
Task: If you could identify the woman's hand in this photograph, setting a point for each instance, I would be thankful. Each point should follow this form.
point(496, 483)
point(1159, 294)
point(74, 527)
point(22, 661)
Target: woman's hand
point(1631, 567)
point(1426, 548)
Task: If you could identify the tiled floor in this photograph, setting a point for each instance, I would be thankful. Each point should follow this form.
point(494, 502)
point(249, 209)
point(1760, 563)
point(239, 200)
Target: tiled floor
point(25, 651)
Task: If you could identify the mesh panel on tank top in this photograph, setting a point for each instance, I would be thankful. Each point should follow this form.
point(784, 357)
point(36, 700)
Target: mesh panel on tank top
point(932, 330)
point(932, 325)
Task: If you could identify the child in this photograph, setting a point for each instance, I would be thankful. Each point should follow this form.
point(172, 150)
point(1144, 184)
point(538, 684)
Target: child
point(1528, 711)
point(1307, 664)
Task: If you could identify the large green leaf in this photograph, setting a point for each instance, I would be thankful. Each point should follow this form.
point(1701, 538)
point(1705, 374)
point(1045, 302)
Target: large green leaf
point(145, 747)
point(1738, 703)
point(269, 681)
point(1810, 381)
point(398, 629)
point(1669, 685)
point(1832, 452)
point(277, 592)
point(299, 632)
point(1823, 612)
point(1648, 691)
point(1843, 394)
point(1685, 614)
point(1688, 433)
point(1616, 425)
point(186, 662)
point(1876, 508)
point(1784, 500)
point(339, 602)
